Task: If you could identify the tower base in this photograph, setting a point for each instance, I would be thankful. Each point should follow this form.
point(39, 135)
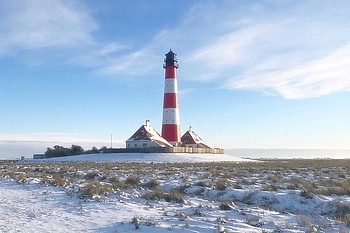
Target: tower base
point(189, 150)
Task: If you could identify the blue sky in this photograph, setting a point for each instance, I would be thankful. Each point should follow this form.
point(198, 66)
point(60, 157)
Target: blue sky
point(253, 74)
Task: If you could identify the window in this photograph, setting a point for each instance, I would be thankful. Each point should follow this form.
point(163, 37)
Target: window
point(144, 145)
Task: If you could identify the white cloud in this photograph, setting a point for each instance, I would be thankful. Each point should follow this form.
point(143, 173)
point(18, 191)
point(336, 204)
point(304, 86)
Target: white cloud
point(135, 63)
point(229, 49)
point(300, 51)
point(184, 92)
point(310, 79)
point(41, 23)
point(296, 49)
point(97, 56)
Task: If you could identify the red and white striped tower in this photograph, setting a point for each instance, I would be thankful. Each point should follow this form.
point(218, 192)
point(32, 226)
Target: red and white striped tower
point(171, 116)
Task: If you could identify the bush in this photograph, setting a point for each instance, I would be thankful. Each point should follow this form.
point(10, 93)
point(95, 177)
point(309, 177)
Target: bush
point(132, 180)
point(221, 184)
point(136, 222)
point(95, 189)
point(156, 194)
point(227, 205)
point(303, 221)
point(248, 197)
point(306, 194)
point(271, 187)
point(151, 184)
point(341, 210)
point(91, 175)
point(203, 183)
point(57, 180)
point(173, 196)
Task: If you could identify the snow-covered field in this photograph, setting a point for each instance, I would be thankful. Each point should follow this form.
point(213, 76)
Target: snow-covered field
point(76, 194)
point(147, 157)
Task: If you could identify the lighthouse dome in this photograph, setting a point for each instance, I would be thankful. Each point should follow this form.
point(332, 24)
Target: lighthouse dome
point(170, 59)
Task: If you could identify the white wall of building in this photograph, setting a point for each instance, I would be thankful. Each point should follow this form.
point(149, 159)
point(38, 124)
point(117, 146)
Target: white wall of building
point(141, 144)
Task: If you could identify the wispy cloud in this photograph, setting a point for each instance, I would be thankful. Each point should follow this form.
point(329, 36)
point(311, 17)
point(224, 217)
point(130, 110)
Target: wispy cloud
point(294, 49)
point(310, 79)
point(98, 55)
point(300, 51)
point(229, 49)
point(40, 23)
point(135, 63)
point(184, 92)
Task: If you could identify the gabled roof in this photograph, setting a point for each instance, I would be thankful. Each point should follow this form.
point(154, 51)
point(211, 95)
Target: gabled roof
point(147, 132)
point(190, 137)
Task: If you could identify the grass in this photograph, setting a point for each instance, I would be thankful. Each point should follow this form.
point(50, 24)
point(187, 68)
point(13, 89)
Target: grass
point(136, 222)
point(153, 183)
point(172, 196)
point(221, 184)
point(329, 177)
point(95, 189)
point(227, 205)
point(307, 177)
point(132, 180)
point(307, 194)
point(248, 197)
point(271, 187)
point(303, 221)
point(57, 180)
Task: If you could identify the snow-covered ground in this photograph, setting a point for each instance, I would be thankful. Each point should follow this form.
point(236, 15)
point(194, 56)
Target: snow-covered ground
point(148, 157)
point(158, 196)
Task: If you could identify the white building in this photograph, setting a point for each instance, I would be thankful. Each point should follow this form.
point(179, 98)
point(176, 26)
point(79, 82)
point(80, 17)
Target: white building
point(146, 137)
point(191, 139)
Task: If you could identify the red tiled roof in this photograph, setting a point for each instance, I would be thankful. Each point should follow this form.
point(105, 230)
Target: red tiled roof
point(190, 137)
point(147, 132)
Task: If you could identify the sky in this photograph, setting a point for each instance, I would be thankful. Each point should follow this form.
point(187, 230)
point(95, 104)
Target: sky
point(252, 74)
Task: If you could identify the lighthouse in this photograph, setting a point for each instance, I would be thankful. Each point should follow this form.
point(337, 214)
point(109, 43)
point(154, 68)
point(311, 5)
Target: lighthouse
point(146, 139)
point(171, 115)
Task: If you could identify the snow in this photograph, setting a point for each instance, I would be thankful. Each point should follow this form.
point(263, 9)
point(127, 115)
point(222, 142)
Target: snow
point(32, 205)
point(147, 157)
point(38, 208)
point(25, 208)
